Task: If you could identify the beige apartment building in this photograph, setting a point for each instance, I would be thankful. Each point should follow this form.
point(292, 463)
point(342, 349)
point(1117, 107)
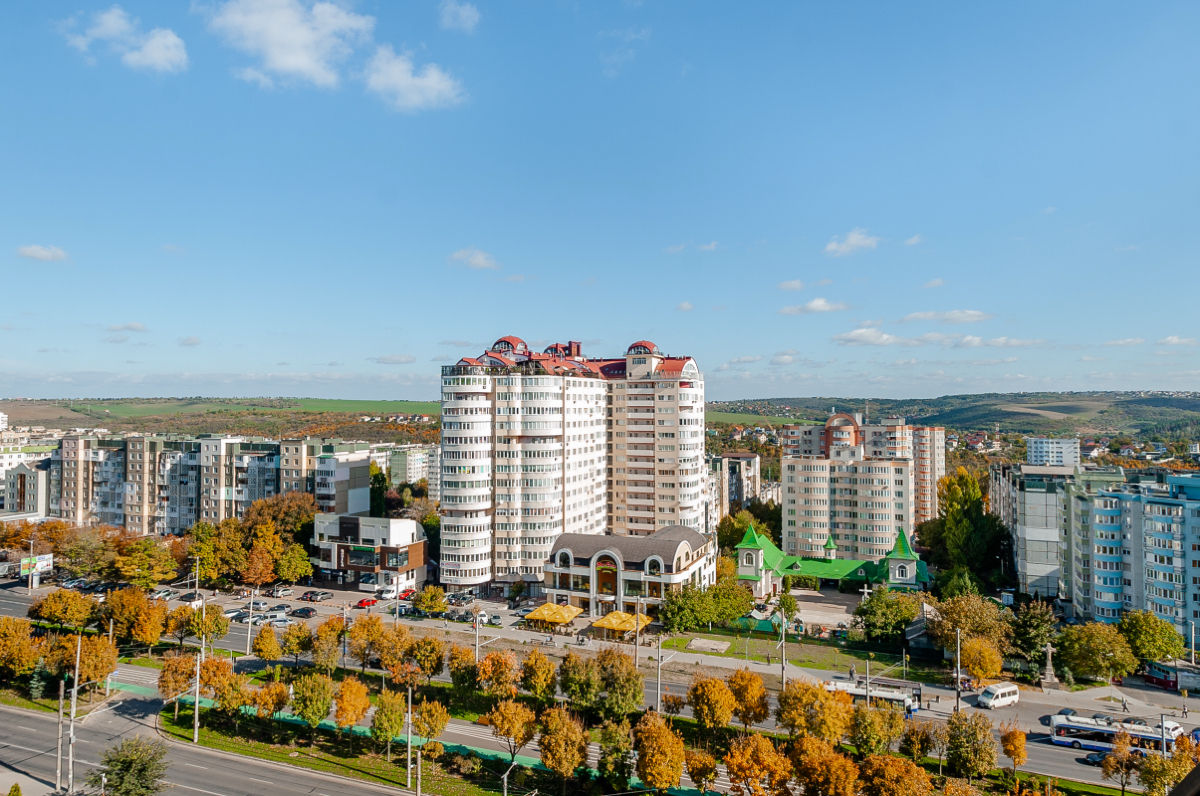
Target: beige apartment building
point(537, 444)
point(890, 438)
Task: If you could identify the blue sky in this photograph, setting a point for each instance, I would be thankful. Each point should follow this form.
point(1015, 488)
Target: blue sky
point(275, 197)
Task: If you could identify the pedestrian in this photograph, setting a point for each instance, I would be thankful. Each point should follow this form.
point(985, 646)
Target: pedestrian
point(1185, 711)
point(1124, 705)
point(852, 671)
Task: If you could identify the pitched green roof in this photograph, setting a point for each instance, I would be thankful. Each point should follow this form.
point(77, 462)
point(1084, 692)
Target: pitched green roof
point(902, 549)
point(829, 543)
point(753, 540)
point(829, 569)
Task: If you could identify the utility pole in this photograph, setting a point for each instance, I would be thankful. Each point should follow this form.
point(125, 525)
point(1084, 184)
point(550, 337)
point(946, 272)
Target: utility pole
point(196, 698)
point(32, 564)
point(1193, 644)
point(250, 623)
point(408, 746)
point(58, 750)
point(504, 778)
point(418, 772)
point(637, 630)
point(74, 703)
point(868, 682)
point(658, 703)
point(1162, 729)
point(957, 672)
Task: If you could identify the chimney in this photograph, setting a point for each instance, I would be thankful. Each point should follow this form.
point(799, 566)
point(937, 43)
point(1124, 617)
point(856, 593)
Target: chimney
point(574, 349)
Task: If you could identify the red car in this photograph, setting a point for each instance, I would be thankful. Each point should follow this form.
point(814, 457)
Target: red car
point(366, 602)
point(407, 593)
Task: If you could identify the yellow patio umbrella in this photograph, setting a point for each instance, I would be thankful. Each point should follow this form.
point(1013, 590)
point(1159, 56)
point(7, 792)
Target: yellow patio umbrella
point(556, 614)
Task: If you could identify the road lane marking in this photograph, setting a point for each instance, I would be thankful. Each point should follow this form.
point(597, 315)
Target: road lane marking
point(26, 729)
point(256, 779)
point(193, 765)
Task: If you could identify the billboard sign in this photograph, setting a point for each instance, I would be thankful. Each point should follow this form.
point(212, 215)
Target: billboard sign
point(31, 565)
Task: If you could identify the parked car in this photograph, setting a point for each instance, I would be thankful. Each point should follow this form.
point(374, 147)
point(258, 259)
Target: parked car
point(400, 609)
point(1138, 722)
point(366, 602)
point(74, 583)
point(240, 616)
point(322, 596)
point(192, 599)
point(281, 607)
point(282, 621)
point(387, 593)
point(495, 620)
point(407, 594)
point(163, 594)
point(304, 613)
point(231, 612)
point(256, 605)
point(282, 591)
point(524, 612)
point(1104, 717)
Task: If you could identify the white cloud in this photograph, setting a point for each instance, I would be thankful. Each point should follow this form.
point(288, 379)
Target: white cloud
point(392, 76)
point(189, 342)
point(625, 50)
point(855, 239)
point(816, 305)
point(392, 359)
point(475, 258)
point(684, 306)
point(127, 327)
point(292, 39)
point(708, 247)
point(787, 357)
point(676, 248)
point(252, 75)
point(913, 241)
point(791, 284)
point(453, 15)
point(742, 360)
point(1177, 340)
point(869, 335)
point(1127, 341)
point(46, 254)
point(935, 282)
point(949, 316)
point(160, 50)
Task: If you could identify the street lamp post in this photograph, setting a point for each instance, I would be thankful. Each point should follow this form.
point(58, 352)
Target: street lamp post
point(957, 664)
point(74, 702)
point(408, 746)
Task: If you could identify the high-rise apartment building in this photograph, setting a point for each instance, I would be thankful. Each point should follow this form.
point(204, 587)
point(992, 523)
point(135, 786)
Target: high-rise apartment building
point(1052, 451)
point(1105, 540)
point(890, 438)
point(3, 421)
point(861, 503)
point(537, 444)
point(162, 484)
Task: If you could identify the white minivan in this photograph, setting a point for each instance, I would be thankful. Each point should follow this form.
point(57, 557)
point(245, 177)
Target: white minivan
point(999, 695)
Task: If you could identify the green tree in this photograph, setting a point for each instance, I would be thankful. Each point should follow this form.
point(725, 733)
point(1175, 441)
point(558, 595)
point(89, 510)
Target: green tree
point(687, 609)
point(379, 488)
point(388, 720)
point(312, 697)
point(787, 606)
point(1096, 651)
point(874, 730)
point(616, 764)
point(538, 676)
point(579, 680)
point(293, 564)
point(732, 528)
point(621, 683)
point(1032, 629)
point(970, 749)
point(209, 624)
point(1150, 637)
point(134, 767)
point(730, 599)
point(885, 614)
point(429, 654)
point(430, 719)
point(291, 513)
point(297, 640)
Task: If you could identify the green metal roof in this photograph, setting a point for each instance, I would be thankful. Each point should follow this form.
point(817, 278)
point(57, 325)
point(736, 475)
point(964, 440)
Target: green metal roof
point(753, 540)
point(829, 543)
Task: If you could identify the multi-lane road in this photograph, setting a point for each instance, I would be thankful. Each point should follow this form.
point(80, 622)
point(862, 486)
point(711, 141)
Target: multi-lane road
point(1044, 757)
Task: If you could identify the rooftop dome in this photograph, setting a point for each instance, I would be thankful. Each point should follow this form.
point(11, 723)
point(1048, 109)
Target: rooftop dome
point(643, 347)
point(509, 343)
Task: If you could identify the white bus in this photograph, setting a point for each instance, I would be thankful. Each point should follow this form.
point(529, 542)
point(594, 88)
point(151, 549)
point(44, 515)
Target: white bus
point(1079, 732)
point(897, 698)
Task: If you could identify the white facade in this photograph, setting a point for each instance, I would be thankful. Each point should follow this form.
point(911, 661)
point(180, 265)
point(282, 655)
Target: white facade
point(1051, 451)
point(862, 503)
point(890, 438)
point(535, 445)
point(3, 421)
point(371, 552)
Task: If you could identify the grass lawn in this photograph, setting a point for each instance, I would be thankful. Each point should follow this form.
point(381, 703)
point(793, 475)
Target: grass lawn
point(743, 419)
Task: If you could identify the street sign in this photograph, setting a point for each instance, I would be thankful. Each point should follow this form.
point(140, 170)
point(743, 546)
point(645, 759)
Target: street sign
point(36, 564)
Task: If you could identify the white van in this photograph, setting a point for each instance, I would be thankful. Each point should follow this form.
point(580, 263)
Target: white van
point(999, 695)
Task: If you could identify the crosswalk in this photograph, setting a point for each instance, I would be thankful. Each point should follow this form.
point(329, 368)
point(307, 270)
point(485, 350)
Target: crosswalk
point(136, 675)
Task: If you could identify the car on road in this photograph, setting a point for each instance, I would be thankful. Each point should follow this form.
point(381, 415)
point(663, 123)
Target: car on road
point(163, 594)
point(1067, 712)
point(1138, 722)
point(1104, 717)
point(407, 594)
point(366, 602)
point(282, 591)
point(304, 613)
point(256, 605)
point(1095, 758)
